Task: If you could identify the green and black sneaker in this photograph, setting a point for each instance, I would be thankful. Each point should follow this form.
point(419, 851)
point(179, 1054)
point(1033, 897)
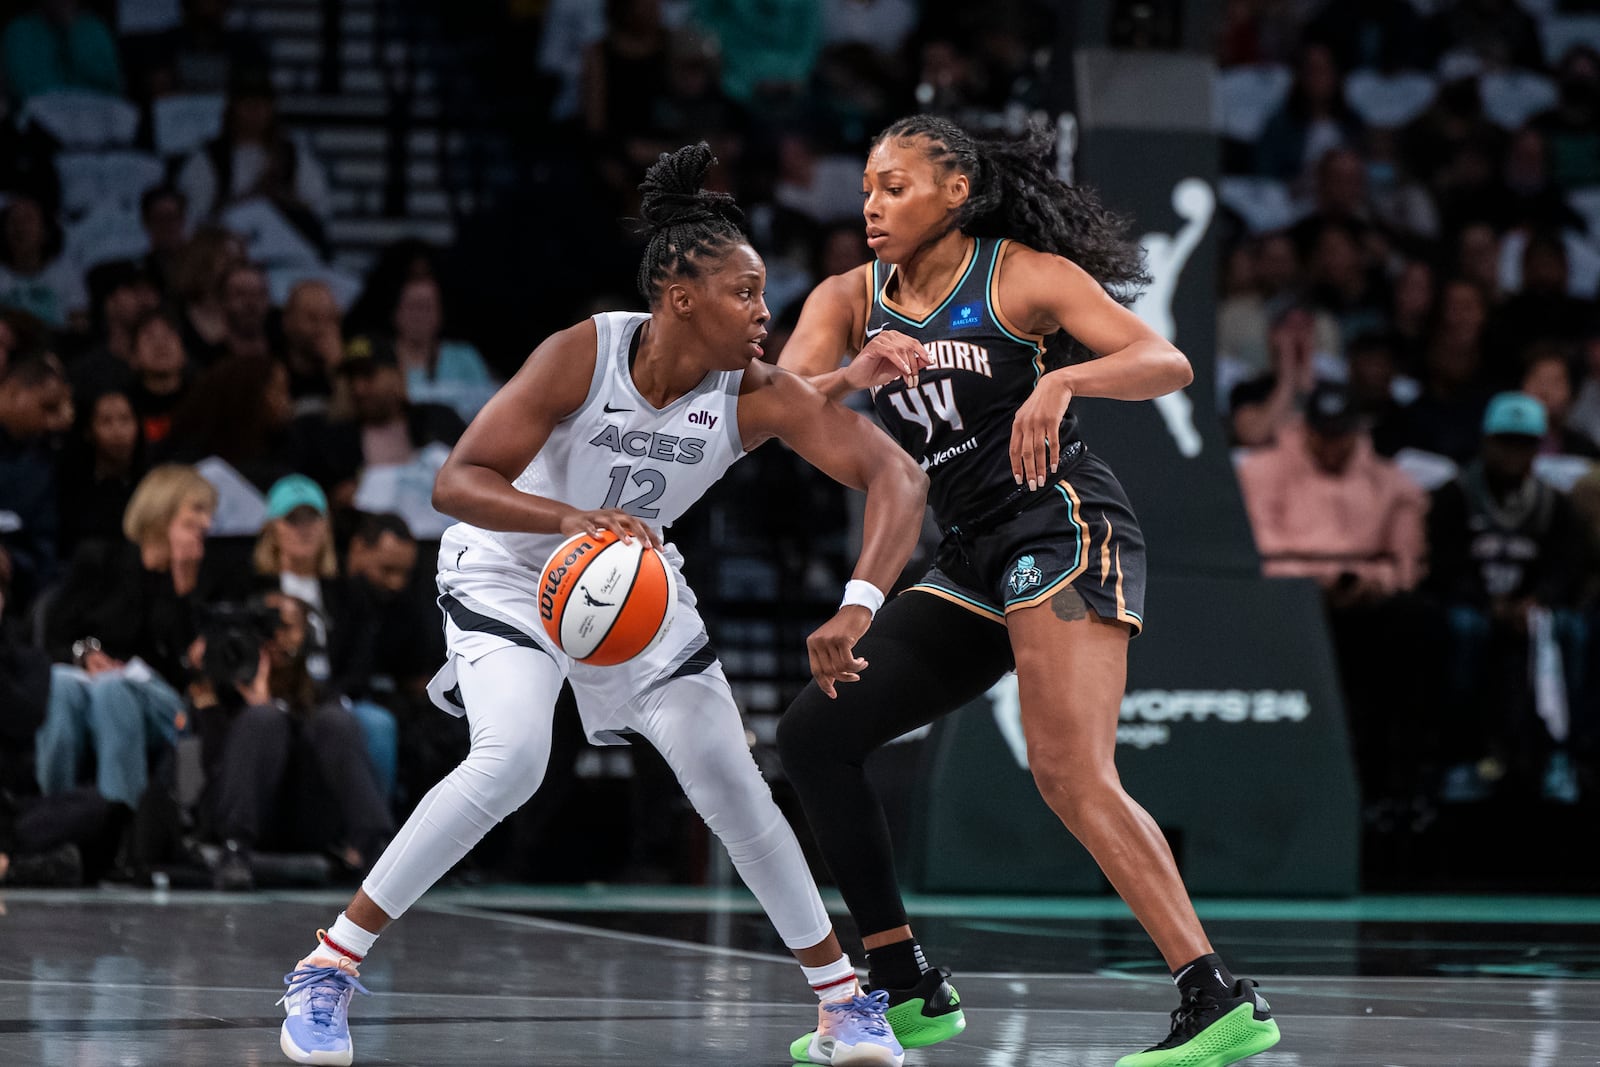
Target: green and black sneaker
point(925, 1014)
point(1209, 1031)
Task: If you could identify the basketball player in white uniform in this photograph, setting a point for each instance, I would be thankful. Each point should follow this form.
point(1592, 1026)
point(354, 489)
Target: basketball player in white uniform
point(620, 423)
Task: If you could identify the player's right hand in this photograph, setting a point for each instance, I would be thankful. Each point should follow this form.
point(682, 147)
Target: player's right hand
point(618, 522)
point(888, 355)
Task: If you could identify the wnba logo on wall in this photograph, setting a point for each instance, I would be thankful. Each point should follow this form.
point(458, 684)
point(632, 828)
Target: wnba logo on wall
point(966, 315)
point(552, 584)
point(1025, 576)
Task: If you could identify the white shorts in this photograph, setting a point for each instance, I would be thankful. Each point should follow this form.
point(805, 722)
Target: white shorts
point(490, 601)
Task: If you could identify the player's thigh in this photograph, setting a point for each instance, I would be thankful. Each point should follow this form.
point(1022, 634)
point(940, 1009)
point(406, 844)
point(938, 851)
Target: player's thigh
point(695, 725)
point(1072, 668)
point(926, 657)
point(510, 697)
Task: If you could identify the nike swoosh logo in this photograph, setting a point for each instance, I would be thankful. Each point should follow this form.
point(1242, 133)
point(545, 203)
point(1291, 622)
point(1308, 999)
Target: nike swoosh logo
point(609, 410)
point(873, 333)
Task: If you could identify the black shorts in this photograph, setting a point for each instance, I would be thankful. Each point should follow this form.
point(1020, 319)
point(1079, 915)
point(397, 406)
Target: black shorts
point(1080, 531)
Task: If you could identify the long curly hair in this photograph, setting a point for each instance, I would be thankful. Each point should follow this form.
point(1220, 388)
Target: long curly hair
point(686, 226)
point(1015, 194)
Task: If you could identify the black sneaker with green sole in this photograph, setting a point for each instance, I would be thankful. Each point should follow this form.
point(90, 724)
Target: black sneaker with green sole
point(925, 1014)
point(1210, 1031)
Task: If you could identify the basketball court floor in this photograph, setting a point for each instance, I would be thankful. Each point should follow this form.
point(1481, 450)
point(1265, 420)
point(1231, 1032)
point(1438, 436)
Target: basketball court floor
point(660, 977)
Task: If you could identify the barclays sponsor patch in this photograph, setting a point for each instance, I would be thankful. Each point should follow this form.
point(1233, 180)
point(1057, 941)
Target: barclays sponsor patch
point(964, 315)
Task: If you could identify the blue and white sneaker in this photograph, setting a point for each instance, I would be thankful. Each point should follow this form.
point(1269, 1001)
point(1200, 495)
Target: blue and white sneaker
point(855, 1033)
point(317, 1029)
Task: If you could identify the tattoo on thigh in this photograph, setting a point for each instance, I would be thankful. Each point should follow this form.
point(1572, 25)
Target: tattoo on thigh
point(1068, 605)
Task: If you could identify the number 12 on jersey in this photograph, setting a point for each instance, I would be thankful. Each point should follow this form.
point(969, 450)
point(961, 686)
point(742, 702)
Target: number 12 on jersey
point(941, 405)
point(652, 481)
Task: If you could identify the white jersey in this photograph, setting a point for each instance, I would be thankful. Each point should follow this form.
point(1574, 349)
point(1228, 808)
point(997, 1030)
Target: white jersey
point(615, 451)
point(619, 451)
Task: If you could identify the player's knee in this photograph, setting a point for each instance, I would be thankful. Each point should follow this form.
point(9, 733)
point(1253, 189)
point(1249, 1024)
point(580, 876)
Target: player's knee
point(1072, 792)
point(504, 769)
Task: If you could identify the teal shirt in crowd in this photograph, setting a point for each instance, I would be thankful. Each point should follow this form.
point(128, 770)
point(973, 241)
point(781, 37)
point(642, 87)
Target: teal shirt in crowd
point(40, 55)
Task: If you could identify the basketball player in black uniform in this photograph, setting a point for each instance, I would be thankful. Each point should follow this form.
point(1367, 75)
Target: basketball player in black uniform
point(983, 254)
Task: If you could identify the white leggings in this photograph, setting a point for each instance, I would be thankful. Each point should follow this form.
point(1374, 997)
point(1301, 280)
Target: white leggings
point(510, 697)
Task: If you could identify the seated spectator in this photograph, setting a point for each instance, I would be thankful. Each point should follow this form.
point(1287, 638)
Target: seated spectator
point(294, 554)
point(199, 55)
point(1446, 416)
point(163, 213)
point(1499, 32)
point(312, 344)
point(121, 293)
point(161, 375)
point(437, 370)
point(767, 53)
point(398, 263)
point(1373, 33)
point(1273, 283)
point(34, 403)
point(1506, 558)
point(1313, 119)
point(1531, 197)
point(246, 308)
point(284, 766)
point(1324, 505)
point(1570, 127)
point(690, 105)
point(1375, 388)
point(1263, 406)
point(34, 275)
point(1543, 310)
point(100, 470)
point(55, 842)
point(376, 425)
point(392, 643)
point(256, 158)
point(1547, 377)
point(1411, 314)
point(58, 45)
point(207, 261)
point(1585, 415)
point(120, 632)
point(1344, 282)
point(238, 411)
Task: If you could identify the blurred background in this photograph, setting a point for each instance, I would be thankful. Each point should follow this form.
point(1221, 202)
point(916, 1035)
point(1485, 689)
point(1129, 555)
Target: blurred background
point(281, 251)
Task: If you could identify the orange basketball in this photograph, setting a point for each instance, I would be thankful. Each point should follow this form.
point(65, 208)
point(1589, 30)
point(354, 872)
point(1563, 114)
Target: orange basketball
point(604, 602)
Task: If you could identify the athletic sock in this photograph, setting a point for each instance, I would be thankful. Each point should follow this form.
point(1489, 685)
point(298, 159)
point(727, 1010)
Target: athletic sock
point(345, 938)
point(899, 965)
point(834, 981)
point(1207, 974)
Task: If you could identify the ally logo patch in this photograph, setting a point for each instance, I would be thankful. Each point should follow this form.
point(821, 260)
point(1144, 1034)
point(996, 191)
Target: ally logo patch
point(966, 315)
point(1024, 576)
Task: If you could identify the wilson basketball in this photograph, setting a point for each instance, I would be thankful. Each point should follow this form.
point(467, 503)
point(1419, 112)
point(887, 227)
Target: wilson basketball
point(604, 602)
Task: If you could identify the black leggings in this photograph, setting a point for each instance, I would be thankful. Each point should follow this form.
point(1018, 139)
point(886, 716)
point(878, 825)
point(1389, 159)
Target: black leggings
point(926, 658)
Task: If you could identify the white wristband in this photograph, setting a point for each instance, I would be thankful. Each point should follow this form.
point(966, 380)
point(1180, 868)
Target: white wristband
point(863, 593)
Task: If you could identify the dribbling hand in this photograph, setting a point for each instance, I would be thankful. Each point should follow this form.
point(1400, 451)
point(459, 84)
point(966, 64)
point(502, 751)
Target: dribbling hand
point(832, 648)
point(888, 355)
point(618, 522)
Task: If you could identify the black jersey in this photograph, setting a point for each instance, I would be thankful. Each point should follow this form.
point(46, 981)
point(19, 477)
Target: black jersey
point(957, 421)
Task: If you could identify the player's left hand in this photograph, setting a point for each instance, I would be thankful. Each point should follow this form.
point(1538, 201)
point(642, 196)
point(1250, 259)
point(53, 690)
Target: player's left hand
point(1036, 432)
point(832, 648)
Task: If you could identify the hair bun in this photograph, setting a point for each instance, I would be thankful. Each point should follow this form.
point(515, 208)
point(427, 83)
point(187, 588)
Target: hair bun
point(672, 193)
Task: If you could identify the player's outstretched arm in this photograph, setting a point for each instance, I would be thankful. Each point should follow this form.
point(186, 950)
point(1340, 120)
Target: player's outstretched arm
point(475, 484)
point(853, 452)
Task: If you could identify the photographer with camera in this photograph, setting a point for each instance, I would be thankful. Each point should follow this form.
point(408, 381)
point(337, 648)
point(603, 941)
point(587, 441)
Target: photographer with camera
point(285, 766)
point(119, 631)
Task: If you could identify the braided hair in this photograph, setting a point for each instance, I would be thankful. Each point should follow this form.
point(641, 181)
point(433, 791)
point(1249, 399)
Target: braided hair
point(685, 226)
point(1015, 194)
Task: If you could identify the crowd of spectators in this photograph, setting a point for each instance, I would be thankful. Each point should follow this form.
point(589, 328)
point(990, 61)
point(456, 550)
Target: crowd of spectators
point(216, 453)
point(1408, 362)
